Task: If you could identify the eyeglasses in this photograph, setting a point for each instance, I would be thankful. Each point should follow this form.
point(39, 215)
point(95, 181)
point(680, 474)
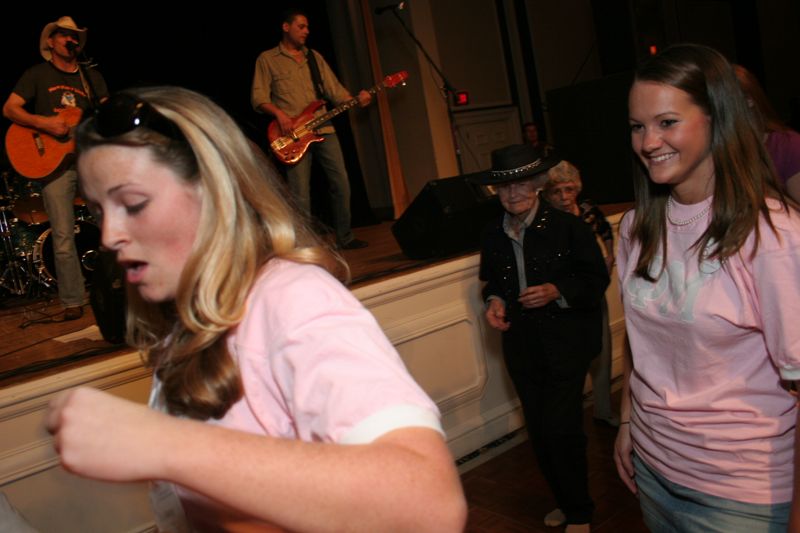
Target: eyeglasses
point(123, 113)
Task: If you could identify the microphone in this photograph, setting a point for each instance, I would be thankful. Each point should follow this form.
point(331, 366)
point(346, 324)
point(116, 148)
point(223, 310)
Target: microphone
point(398, 6)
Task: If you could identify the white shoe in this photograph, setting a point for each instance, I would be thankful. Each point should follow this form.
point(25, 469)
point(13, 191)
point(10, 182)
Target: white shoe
point(554, 518)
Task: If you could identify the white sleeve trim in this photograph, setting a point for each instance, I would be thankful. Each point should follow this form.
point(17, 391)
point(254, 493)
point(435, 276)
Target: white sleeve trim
point(790, 374)
point(389, 419)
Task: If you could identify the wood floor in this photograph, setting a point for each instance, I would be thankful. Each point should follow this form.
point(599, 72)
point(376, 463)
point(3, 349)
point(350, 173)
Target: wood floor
point(509, 495)
point(33, 345)
point(36, 343)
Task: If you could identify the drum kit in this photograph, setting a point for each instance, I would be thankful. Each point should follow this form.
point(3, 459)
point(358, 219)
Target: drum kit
point(27, 262)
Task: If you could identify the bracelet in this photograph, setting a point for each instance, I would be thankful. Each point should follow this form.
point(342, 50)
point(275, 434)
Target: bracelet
point(623, 423)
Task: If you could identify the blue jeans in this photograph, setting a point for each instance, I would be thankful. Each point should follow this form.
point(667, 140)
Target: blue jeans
point(329, 155)
point(671, 508)
point(58, 196)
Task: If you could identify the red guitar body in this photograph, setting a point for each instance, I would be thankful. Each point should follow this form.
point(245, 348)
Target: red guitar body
point(291, 148)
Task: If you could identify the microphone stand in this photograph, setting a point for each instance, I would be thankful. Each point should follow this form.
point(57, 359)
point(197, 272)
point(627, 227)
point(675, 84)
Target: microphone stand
point(446, 88)
point(85, 64)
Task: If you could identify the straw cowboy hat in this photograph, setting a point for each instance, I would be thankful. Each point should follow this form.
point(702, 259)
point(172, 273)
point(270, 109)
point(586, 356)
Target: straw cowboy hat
point(64, 23)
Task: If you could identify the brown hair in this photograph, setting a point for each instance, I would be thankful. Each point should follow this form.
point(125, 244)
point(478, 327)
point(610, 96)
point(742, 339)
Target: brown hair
point(243, 203)
point(742, 168)
point(753, 91)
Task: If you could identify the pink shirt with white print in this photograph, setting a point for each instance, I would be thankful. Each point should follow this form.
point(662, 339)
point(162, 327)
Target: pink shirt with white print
point(710, 344)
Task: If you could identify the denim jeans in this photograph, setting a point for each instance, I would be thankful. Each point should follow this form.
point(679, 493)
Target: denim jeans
point(58, 196)
point(329, 155)
point(671, 508)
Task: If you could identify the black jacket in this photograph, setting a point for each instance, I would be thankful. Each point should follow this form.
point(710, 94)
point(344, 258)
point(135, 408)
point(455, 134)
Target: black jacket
point(561, 249)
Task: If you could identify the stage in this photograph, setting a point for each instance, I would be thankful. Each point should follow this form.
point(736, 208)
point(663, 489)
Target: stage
point(35, 346)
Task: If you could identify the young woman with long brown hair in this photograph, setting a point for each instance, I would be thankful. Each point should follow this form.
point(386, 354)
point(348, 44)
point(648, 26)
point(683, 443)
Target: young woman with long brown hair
point(709, 266)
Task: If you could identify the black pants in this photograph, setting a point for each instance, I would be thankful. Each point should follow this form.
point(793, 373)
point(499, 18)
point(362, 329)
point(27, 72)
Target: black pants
point(549, 382)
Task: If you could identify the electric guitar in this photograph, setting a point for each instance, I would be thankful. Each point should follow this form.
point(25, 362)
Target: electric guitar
point(37, 155)
point(290, 149)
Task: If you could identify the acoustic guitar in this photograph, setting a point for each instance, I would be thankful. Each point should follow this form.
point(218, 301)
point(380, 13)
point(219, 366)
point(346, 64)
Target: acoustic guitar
point(37, 155)
point(290, 149)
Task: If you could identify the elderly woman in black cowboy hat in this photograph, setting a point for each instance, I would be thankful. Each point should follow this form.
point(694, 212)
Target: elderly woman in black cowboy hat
point(545, 280)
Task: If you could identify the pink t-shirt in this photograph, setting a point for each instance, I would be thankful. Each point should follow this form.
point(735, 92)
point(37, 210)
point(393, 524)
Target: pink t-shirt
point(316, 367)
point(710, 345)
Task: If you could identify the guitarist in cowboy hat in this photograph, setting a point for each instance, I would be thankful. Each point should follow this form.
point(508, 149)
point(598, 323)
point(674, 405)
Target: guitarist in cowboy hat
point(283, 88)
point(49, 97)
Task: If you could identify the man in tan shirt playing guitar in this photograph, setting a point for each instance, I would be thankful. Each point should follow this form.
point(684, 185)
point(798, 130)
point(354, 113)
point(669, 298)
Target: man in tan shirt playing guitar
point(283, 88)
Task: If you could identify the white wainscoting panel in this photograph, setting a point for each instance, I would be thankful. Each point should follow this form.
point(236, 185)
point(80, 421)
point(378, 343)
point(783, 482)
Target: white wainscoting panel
point(30, 474)
point(435, 319)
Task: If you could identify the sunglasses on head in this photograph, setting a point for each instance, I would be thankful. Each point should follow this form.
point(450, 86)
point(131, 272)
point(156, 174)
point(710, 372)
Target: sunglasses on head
point(123, 113)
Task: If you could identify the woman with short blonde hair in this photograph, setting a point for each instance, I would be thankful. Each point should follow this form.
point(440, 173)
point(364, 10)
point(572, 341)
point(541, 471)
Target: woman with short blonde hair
point(561, 190)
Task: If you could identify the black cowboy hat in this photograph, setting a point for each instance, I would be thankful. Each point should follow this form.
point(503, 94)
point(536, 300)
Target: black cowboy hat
point(516, 162)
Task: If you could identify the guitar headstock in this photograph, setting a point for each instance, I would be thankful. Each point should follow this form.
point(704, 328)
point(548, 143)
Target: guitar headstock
point(398, 78)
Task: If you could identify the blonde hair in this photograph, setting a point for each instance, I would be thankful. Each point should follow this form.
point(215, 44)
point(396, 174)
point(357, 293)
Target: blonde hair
point(245, 221)
point(564, 172)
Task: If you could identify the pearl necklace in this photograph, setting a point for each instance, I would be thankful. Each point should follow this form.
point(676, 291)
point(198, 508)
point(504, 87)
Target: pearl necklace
point(687, 221)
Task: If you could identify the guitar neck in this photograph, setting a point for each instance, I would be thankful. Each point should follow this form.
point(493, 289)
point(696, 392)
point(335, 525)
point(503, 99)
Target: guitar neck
point(341, 108)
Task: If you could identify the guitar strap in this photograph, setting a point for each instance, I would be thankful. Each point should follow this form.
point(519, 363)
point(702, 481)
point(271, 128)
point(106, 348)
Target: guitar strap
point(316, 78)
point(87, 87)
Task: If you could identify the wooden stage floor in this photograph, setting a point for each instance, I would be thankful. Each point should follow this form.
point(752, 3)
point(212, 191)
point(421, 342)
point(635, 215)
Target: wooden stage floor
point(36, 345)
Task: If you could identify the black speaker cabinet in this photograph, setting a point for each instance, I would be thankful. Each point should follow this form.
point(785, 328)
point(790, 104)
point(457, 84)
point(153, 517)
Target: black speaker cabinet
point(446, 218)
point(107, 296)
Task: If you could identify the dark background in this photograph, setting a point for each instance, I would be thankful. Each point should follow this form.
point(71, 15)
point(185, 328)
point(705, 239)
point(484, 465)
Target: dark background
point(211, 51)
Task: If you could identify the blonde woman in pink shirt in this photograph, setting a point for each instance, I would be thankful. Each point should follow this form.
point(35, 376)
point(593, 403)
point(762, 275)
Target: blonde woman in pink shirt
point(278, 403)
point(709, 266)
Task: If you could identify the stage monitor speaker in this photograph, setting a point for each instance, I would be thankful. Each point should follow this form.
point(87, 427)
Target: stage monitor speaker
point(446, 218)
point(107, 296)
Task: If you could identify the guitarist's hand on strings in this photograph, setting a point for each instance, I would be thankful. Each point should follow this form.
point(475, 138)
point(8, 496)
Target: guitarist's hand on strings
point(364, 98)
point(284, 121)
point(55, 125)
